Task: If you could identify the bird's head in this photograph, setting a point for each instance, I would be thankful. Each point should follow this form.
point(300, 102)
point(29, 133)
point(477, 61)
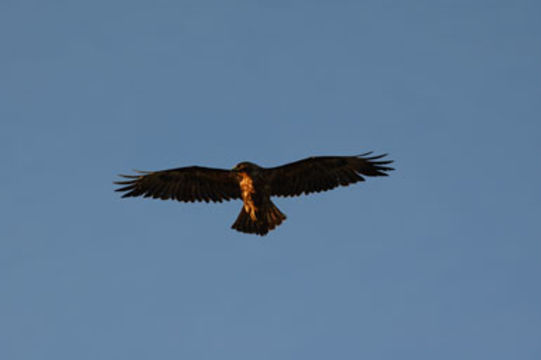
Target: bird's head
point(246, 167)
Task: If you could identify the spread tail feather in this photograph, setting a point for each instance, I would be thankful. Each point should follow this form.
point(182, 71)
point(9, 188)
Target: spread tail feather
point(267, 218)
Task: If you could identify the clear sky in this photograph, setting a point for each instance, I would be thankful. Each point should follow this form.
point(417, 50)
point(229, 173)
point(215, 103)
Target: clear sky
point(441, 260)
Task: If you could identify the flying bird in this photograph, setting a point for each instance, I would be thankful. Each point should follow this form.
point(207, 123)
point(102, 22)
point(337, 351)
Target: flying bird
point(254, 184)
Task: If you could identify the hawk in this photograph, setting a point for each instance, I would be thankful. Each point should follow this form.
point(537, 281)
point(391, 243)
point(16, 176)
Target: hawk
point(254, 184)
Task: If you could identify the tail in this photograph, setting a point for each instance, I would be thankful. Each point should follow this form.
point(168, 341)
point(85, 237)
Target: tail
point(267, 218)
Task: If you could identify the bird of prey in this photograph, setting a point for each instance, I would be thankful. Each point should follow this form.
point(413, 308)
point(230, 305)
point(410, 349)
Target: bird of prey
point(254, 184)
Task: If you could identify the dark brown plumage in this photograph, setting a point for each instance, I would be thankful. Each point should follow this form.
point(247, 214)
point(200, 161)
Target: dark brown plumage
point(254, 184)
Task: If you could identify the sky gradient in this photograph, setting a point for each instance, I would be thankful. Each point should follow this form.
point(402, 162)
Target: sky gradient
point(441, 260)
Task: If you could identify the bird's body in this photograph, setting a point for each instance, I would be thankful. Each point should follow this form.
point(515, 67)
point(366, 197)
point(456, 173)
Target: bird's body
point(251, 198)
point(254, 184)
point(259, 214)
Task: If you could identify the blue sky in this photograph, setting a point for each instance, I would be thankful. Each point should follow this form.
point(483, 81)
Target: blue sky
point(441, 260)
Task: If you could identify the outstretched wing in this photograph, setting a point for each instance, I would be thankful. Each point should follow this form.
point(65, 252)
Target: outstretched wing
point(324, 173)
point(192, 183)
